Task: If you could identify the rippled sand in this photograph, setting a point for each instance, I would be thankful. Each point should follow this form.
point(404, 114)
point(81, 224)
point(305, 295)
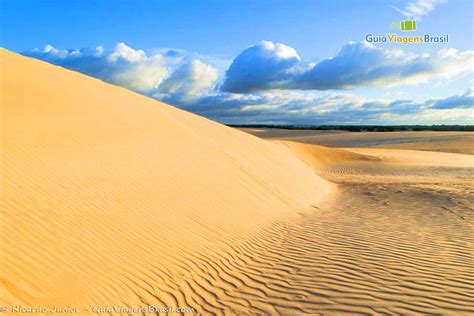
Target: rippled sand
point(397, 239)
point(109, 197)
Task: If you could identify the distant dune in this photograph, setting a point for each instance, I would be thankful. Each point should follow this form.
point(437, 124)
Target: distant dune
point(110, 199)
point(106, 192)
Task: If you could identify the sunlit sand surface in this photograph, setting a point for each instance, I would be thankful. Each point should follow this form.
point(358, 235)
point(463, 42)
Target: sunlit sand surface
point(108, 197)
point(112, 197)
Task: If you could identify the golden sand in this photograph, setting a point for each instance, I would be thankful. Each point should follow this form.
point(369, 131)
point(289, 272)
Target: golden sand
point(111, 197)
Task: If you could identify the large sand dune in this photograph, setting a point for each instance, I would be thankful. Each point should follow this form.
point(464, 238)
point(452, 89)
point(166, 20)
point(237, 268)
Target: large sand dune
point(111, 198)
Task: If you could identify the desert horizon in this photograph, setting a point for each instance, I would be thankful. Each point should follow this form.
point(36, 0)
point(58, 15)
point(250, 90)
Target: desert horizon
point(217, 170)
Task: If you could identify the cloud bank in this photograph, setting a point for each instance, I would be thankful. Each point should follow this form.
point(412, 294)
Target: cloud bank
point(265, 67)
point(168, 72)
point(311, 108)
point(270, 83)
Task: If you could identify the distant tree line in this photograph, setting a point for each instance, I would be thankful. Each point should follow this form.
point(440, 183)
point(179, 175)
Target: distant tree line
point(364, 128)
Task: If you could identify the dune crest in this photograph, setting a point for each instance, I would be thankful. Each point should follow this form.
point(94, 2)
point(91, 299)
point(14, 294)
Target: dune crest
point(108, 196)
point(319, 156)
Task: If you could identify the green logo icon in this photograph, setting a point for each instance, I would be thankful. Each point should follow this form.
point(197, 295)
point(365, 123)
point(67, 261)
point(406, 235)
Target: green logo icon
point(406, 25)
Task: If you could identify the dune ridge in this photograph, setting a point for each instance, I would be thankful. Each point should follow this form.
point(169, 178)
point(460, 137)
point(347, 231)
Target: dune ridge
point(102, 187)
point(319, 156)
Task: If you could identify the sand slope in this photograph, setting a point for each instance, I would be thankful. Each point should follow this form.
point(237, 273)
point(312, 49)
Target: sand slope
point(111, 197)
point(319, 156)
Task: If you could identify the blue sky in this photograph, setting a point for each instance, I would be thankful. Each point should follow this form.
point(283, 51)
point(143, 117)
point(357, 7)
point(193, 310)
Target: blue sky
point(263, 61)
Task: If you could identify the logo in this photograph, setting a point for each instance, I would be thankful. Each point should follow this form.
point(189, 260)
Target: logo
point(406, 25)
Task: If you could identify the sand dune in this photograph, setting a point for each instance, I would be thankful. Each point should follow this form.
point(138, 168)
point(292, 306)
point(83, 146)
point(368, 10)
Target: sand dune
point(109, 198)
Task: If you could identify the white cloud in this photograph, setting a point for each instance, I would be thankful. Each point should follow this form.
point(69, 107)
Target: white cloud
point(194, 77)
point(134, 69)
point(144, 74)
point(419, 8)
point(274, 86)
point(262, 66)
point(357, 64)
point(122, 51)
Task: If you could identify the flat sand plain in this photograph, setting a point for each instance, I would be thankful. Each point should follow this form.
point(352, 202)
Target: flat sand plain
point(109, 198)
point(452, 142)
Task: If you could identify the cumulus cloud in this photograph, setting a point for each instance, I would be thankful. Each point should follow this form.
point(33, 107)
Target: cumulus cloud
point(269, 83)
point(419, 8)
point(261, 67)
point(192, 78)
point(126, 53)
point(357, 64)
point(134, 69)
point(265, 66)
